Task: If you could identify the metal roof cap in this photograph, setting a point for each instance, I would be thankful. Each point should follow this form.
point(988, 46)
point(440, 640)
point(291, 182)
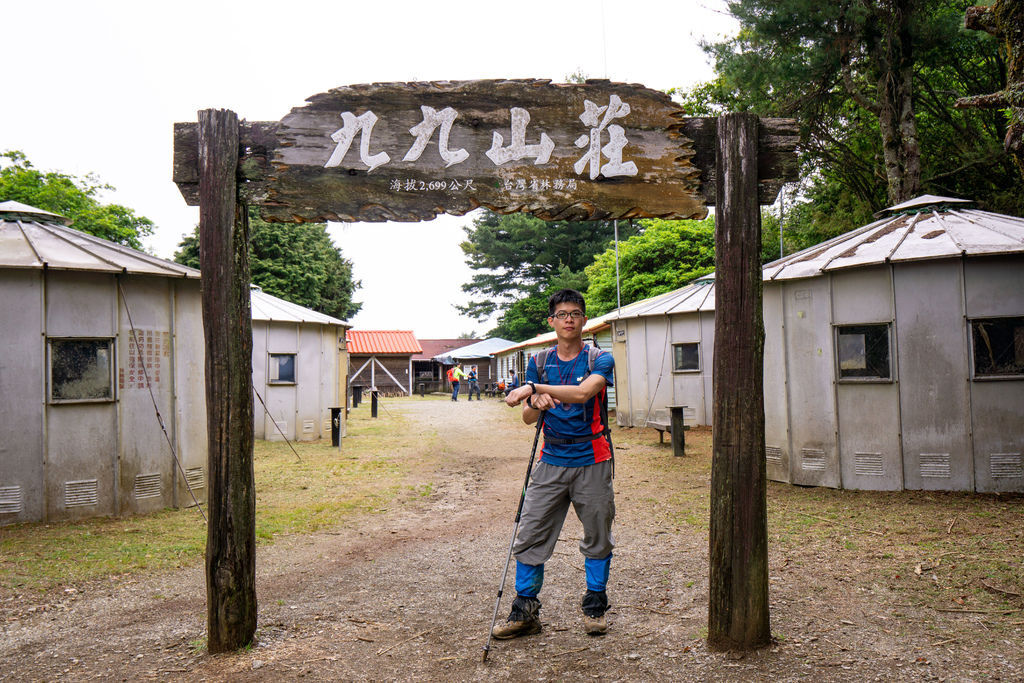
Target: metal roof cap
point(12, 210)
point(921, 202)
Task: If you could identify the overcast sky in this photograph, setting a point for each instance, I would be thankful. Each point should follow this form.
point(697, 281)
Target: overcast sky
point(93, 86)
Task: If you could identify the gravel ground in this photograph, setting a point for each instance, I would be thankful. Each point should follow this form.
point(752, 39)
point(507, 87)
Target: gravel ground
point(408, 594)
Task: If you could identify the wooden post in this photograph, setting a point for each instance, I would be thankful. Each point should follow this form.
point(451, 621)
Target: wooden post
point(227, 323)
point(678, 422)
point(738, 601)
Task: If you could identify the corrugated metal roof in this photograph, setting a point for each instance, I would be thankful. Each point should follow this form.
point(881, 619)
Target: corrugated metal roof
point(948, 233)
point(31, 238)
point(699, 295)
point(945, 233)
point(382, 342)
point(271, 308)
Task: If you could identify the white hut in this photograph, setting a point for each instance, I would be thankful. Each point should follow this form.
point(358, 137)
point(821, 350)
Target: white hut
point(894, 354)
point(299, 369)
point(98, 337)
point(663, 350)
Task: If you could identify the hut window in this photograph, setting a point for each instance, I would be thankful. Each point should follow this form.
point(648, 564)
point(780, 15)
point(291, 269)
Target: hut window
point(282, 368)
point(81, 370)
point(998, 347)
point(686, 357)
point(863, 351)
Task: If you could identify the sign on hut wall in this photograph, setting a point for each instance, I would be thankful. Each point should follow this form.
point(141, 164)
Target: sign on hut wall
point(409, 151)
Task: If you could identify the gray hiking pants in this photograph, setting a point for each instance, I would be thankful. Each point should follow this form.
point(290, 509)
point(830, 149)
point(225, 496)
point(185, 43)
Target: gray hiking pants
point(552, 488)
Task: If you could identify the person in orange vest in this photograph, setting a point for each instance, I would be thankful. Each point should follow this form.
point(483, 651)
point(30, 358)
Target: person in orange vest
point(455, 374)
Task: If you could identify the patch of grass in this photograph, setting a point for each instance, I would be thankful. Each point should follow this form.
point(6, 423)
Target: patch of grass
point(944, 550)
point(322, 491)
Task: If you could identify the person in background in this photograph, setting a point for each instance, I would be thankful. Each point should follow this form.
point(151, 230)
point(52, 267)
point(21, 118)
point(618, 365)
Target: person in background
point(474, 384)
point(455, 374)
point(513, 381)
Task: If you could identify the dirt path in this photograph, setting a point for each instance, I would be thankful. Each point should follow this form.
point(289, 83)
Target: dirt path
point(409, 594)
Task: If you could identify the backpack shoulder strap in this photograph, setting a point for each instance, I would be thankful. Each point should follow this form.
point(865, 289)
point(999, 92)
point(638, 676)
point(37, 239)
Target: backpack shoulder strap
point(541, 361)
point(592, 353)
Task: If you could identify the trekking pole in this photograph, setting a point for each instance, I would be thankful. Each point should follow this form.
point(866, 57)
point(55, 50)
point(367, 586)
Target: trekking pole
point(515, 530)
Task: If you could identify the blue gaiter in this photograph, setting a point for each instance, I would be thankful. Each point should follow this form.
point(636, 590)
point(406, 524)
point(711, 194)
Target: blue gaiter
point(529, 579)
point(597, 573)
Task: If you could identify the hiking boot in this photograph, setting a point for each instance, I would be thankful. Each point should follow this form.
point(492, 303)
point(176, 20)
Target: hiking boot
point(595, 604)
point(524, 620)
point(595, 626)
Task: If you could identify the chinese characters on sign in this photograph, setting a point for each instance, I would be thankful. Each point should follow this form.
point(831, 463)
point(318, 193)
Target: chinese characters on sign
point(152, 347)
point(409, 151)
point(597, 118)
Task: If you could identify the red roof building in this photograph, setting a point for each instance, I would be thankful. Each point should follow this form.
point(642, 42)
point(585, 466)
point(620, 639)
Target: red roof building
point(435, 347)
point(382, 359)
point(382, 342)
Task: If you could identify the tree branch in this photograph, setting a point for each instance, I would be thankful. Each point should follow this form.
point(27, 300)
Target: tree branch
point(996, 100)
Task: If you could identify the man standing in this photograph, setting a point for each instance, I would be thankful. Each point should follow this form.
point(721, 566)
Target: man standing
point(454, 375)
point(474, 384)
point(575, 467)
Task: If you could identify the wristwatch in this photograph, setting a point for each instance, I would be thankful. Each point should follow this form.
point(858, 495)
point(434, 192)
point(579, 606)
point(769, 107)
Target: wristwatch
point(533, 386)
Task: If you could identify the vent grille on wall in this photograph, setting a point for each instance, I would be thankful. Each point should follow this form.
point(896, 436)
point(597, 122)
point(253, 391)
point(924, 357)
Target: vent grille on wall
point(308, 426)
point(812, 459)
point(279, 427)
point(10, 500)
point(82, 493)
point(147, 485)
point(869, 464)
point(1003, 465)
point(195, 477)
point(327, 426)
point(773, 454)
point(935, 465)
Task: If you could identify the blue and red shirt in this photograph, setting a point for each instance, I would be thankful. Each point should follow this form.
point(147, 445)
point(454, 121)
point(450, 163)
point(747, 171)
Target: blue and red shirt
point(570, 420)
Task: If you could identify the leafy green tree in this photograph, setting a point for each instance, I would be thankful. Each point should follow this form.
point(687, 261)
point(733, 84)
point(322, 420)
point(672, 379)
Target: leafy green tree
point(517, 255)
point(527, 317)
point(71, 197)
point(873, 84)
point(666, 256)
point(298, 263)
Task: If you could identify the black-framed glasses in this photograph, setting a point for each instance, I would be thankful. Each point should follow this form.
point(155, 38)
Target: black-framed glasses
point(562, 315)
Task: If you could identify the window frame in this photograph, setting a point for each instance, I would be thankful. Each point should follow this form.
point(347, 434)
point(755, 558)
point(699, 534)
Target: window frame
point(1003, 377)
point(111, 370)
point(684, 371)
point(869, 379)
point(295, 368)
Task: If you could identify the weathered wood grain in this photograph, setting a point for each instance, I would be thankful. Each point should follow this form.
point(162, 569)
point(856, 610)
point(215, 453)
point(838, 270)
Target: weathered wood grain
point(227, 326)
point(298, 187)
point(738, 539)
point(281, 164)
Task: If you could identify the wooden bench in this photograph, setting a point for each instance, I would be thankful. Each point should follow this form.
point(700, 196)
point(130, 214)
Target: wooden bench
point(678, 440)
point(663, 427)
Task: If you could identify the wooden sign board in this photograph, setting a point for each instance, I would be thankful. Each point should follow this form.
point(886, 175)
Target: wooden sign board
point(410, 151)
